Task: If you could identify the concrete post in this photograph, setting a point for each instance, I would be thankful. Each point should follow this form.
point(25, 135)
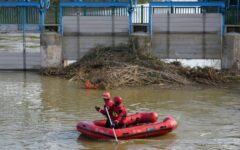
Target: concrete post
point(140, 43)
point(231, 51)
point(51, 50)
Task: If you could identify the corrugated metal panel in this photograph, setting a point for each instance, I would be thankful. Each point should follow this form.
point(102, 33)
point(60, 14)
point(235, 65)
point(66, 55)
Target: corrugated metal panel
point(13, 15)
point(75, 47)
point(95, 24)
point(14, 60)
point(187, 46)
point(186, 23)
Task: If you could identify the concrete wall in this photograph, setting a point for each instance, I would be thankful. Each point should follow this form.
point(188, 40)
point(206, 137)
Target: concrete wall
point(182, 36)
point(231, 51)
point(11, 51)
point(140, 43)
point(172, 46)
point(187, 46)
point(82, 33)
point(187, 36)
point(18, 27)
point(75, 47)
point(186, 23)
point(15, 60)
point(95, 25)
point(51, 50)
point(200, 39)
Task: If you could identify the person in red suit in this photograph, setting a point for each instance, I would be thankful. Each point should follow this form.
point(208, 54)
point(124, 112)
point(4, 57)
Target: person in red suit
point(118, 113)
point(108, 104)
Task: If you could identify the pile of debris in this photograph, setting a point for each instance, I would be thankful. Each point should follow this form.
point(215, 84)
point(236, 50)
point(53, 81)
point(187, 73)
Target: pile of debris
point(106, 67)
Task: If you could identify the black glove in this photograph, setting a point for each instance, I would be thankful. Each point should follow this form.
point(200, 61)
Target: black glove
point(115, 122)
point(112, 125)
point(97, 108)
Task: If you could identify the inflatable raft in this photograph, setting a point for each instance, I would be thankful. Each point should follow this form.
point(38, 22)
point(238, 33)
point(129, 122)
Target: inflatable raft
point(139, 125)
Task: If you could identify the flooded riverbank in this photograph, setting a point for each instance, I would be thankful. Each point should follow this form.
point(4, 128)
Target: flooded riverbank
point(39, 112)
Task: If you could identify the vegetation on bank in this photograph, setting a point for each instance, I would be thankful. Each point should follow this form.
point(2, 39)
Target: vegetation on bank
point(106, 67)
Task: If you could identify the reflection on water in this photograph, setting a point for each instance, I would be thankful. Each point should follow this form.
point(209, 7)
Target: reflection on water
point(41, 113)
point(164, 142)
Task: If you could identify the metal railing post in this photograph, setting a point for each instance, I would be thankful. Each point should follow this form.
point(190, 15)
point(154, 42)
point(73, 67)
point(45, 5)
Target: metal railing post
point(150, 19)
point(141, 13)
point(60, 17)
point(238, 12)
point(24, 37)
point(42, 18)
point(56, 14)
point(84, 11)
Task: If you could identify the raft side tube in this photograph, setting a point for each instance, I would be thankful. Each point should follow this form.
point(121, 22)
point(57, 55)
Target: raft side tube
point(91, 129)
point(144, 117)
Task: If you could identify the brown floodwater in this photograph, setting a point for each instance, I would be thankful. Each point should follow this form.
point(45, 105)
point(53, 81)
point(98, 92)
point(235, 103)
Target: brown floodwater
point(41, 113)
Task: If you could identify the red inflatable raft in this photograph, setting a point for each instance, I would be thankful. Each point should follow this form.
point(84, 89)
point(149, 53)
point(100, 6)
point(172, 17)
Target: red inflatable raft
point(140, 125)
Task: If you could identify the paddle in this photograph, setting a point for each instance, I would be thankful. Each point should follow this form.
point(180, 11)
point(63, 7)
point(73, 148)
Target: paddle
point(111, 124)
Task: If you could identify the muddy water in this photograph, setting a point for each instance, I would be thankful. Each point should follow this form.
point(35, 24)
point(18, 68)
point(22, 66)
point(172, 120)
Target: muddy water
point(41, 113)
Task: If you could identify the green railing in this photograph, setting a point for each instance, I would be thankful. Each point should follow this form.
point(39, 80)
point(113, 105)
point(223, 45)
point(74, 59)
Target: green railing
point(233, 16)
point(140, 14)
point(52, 16)
point(95, 11)
point(13, 15)
point(185, 10)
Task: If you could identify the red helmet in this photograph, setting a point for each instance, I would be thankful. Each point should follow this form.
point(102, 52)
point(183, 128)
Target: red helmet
point(117, 100)
point(106, 95)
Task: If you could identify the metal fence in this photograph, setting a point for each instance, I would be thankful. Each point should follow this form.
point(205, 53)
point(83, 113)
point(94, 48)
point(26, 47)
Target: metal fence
point(12, 15)
point(52, 15)
point(233, 15)
point(95, 11)
point(140, 14)
point(185, 10)
point(94, 1)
